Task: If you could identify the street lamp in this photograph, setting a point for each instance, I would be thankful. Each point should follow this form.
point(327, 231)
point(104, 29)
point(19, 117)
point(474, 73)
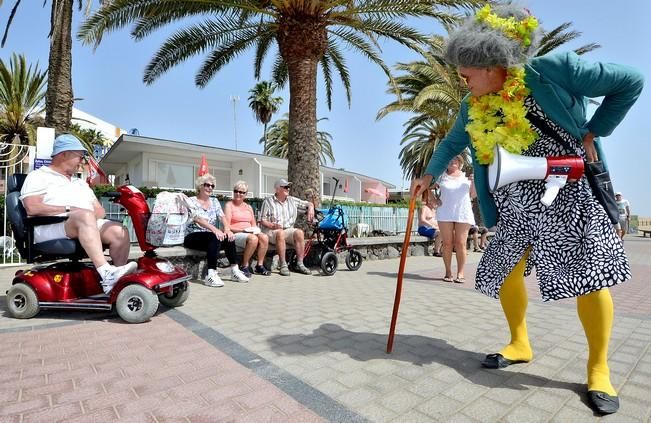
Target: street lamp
point(235, 99)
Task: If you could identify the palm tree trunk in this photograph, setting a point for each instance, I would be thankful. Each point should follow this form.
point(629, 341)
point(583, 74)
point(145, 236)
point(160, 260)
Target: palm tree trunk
point(265, 139)
point(59, 96)
point(302, 44)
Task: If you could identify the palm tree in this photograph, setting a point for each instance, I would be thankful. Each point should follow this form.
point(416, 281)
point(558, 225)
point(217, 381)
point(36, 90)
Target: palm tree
point(22, 93)
point(89, 137)
point(264, 105)
point(432, 91)
point(278, 141)
point(59, 97)
point(308, 33)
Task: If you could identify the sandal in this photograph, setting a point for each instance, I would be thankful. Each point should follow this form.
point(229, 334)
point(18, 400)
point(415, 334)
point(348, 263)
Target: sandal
point(459, 280)
point(447, 279)
point(261, 270)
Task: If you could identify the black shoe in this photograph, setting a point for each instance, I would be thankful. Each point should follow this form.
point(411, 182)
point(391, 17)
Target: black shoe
point(498, 361)
point(603, 403)
point(261, 270)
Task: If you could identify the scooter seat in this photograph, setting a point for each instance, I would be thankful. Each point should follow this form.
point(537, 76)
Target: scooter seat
point(63, 246)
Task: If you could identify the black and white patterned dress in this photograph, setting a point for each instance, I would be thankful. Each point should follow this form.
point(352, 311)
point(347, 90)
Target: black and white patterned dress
point(573, 244)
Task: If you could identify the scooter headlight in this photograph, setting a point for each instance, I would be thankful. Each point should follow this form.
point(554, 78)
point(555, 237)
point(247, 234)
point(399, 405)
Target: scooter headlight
point(165, 266)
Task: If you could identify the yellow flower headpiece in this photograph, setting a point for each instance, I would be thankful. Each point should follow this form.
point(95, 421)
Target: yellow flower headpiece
point(512, 28)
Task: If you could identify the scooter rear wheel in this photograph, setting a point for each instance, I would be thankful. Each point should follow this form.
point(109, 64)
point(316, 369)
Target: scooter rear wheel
point(176, 298)
point(22, 302)
point(136, 304)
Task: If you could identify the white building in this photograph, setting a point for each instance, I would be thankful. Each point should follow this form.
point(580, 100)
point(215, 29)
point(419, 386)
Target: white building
point(154, 162)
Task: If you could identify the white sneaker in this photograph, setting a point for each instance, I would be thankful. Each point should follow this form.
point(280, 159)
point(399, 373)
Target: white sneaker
point(213, 279)
point(237, 275)
point(110, 278)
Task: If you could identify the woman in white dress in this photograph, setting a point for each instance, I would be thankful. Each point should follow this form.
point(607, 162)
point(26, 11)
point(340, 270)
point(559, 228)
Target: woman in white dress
point(455, 216)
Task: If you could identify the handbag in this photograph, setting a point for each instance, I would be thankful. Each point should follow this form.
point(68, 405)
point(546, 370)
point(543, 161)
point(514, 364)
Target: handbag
point(595, 172)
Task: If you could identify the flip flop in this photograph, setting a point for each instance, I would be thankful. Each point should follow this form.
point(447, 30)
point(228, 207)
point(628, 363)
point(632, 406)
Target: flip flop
point(459, 280)
point(447, 279)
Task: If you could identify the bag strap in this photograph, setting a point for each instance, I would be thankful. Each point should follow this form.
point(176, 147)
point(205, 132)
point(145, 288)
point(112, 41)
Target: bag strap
point(544, 127)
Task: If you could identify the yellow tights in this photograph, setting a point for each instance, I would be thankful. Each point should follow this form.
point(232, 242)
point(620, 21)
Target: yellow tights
point(513, 297)
point(596, 313)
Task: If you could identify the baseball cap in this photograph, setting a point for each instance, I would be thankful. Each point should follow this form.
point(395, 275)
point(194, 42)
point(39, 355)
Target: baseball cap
point(67, 142)
point(618, 193)
point(282, 183)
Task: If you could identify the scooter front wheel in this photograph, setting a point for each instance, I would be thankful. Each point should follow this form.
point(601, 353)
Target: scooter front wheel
point(136, 304)
point(22, 302)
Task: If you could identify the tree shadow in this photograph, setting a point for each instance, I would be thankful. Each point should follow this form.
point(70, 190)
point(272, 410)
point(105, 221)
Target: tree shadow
point(415, 349)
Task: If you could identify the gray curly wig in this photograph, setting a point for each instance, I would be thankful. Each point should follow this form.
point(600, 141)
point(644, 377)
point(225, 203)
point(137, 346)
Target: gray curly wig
point(475, 44)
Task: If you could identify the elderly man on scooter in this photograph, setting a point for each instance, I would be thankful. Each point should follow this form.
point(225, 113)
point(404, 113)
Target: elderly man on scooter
point(277, 218)
point(52, 191)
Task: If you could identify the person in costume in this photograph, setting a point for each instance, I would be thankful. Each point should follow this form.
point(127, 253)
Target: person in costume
point(571, 242)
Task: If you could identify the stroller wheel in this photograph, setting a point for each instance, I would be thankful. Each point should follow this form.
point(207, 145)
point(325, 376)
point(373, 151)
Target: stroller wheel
point(354, 260)
point(329, 263)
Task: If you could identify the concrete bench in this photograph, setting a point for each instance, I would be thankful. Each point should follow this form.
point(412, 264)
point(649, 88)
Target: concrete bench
point(371, 248)
point(646, 230)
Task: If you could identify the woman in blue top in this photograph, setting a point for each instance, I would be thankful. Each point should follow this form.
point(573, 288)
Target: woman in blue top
point(517, 101)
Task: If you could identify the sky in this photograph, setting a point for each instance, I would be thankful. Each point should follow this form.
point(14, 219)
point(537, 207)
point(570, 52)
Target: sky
point(108, 83)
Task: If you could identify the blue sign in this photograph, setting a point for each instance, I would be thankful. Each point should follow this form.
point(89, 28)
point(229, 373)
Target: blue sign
point(41, 162)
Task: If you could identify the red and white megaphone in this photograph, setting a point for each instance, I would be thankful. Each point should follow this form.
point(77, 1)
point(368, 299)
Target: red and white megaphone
point(507, 168)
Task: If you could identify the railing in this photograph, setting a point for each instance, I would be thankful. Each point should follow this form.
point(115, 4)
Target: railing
point(386, 219)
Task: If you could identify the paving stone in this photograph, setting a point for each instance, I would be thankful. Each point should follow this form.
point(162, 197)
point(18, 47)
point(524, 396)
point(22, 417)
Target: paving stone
point(377, 414)
point(524, 413)
point(357, 396)
point(401, 401)
point(437, 409)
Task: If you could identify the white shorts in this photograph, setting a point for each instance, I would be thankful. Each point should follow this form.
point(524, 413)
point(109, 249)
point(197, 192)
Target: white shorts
point(240, 240)
point(289, 236)
point(57, 231)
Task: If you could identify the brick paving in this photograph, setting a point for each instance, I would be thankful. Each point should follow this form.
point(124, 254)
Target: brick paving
point(312, 348)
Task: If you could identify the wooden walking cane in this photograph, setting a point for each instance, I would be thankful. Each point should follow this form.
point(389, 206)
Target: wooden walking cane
point(401, 270)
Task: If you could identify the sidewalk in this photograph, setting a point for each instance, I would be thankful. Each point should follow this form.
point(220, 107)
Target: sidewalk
point(312, 348)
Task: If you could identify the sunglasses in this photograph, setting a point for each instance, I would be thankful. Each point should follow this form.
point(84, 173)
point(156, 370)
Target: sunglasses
point(287, 187)
point(239, 192)
point(211, 186)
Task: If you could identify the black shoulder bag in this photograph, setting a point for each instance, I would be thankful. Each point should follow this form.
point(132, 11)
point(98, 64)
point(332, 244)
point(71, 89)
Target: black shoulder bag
point(596, 173)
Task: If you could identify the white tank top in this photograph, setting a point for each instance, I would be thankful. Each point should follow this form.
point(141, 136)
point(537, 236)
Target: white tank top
point(455, 200)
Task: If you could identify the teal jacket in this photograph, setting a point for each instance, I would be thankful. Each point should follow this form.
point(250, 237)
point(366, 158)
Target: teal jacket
point(560, 84)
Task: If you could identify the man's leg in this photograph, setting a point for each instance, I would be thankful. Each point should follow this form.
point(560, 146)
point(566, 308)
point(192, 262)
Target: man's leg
point(513, 297)
point(299, 244)
point(82, 225)
point(116, 237)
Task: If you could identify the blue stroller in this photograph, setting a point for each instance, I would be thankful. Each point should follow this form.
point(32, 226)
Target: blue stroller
point(329, 238)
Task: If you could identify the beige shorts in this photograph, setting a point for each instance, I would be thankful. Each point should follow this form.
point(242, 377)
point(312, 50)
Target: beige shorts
point(57, 231)
point(289, 236)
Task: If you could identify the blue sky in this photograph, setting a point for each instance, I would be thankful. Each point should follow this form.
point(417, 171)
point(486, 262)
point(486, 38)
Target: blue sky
point(109, 82)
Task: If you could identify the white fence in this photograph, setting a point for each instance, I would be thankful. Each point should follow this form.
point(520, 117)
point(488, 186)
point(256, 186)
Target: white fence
point(13, 159)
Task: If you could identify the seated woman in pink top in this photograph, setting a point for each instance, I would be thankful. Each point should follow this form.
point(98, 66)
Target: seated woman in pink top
point(248, 237)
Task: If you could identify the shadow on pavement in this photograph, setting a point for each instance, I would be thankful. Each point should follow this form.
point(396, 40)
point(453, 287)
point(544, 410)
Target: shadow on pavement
point(413, 276)
point(416, 349)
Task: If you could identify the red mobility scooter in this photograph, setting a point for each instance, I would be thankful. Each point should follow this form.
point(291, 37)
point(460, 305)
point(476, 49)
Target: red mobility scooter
point(75, 284)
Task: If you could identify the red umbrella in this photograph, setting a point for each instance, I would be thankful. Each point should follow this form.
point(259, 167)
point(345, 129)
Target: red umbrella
point(203, 167)
point(401, 270)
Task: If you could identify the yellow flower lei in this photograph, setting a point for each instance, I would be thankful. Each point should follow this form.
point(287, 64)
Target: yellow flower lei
point(518, 30)
point(501, 118)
